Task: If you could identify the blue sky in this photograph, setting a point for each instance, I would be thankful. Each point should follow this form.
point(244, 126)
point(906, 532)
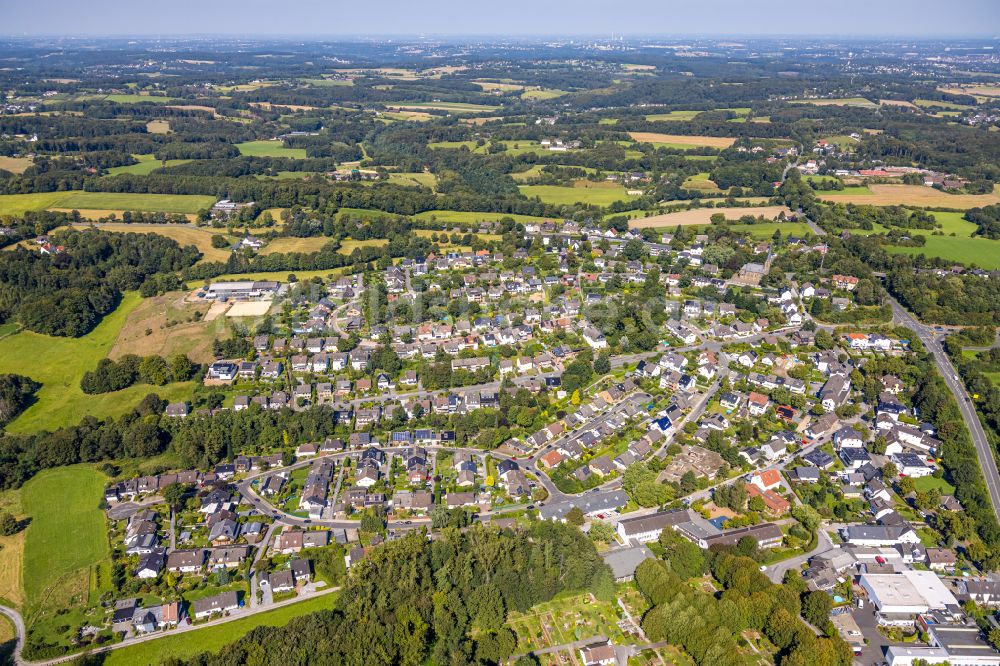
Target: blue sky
point(859, 18)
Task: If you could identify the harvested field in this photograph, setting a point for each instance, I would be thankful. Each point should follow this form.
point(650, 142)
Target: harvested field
point(175, 326)
point(913, 195)
point(14, 164)
point(703, 216)
point(158, 126)
point(285, 245)
point(683, 140)
point(976, 91)
point(249, 309)
point(12, 568)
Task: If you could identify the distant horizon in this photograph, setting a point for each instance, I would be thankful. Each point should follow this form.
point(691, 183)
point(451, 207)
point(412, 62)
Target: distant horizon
point(917, 19)
point(539, 37)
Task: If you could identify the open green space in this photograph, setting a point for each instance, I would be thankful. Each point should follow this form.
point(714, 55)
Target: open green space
point(66, 533)
point(543, 93)
point(925, 483)
point(270, 149)
point(672, 115)
point(145, 165)
point(213, 638)
point(135, 99)
point(839, 101)
point(565, 196)
point(59, 363)
point(471, 217)
point(454, 145)
point(929, 103)
point(418, 178)
point(458, 107)
point(766, 229)
point(700, 181)
point(983, 252)
point(17, 204)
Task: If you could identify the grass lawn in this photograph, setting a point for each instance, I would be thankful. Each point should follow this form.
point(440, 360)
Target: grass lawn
point(58, 363)
point(928, 103)
point(925, 483)
point(212, 639)
point(64, 536)
point(544, 93)
point(598, 194)
point(270, 149)
point(145, 165)
point(534, 172)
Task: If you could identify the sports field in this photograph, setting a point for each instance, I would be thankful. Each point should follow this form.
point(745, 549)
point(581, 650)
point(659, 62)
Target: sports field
point(212, 638)
point(585, 192)
point(703, 216)
point(912, 195)
point(270, 149)
point(58, 364)
point(682, 140)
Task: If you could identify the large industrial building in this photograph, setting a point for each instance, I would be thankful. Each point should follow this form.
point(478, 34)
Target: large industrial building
point(907, 593)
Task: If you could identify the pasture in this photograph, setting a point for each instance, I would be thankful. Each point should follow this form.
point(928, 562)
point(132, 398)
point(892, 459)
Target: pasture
point(145, 166)
point(212, 638)
point(136, 99)
point(698, 216)
point(270, 149)
point(700, 181)
point(585, 192)
point(163, 203)
point(158, 126)
point(419, 179)
point(455, 145)
point(682, 141)
point(75, 519)
point(912, 195)
point(174, 326)
point(932, 103)
point(454, 107)
point(348, 246)
point(983, 252)
point(58, 364)
point(543, 94)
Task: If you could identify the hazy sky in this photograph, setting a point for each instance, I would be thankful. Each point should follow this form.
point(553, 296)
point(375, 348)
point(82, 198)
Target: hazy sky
point(508, 17)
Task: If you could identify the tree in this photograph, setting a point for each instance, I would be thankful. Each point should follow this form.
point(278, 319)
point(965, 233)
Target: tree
point(174, 495)
point(575, 516)
point(601, 532)
point(816, 608)
point(890, 471)
point(602, 364)
point(8, 524)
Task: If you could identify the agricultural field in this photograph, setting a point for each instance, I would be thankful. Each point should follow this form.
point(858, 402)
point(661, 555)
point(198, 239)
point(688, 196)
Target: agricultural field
point(543, 93)
point(270, 149)
point(453, 145)
point(158, 127)
point(700, 181)
point(18, 204)
point(14, 164)
point(60, 401)
point(982, 252)
point(348, 246)
point(454, 107)
point(212, 638)
point(471, 217)
point(586, 192)
point(703, 216)
point(14, 204)
point(912, 195)
point(166, 325)
point(672, 115)
point(136, 99)
point(766, 230)
point(902, 104)
point(930, 103)
point(682, 141)
point(840, 101)
point(145, 166)
point(289, 244)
